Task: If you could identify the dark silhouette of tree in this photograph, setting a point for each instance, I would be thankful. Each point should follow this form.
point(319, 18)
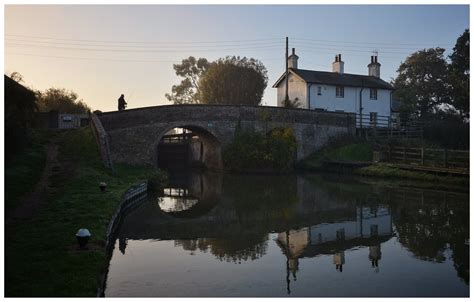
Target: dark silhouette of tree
point(459, 75)
point(188, 91)
point(61, 100)
point(20, 107)
point(421, 84)
point(235, 81)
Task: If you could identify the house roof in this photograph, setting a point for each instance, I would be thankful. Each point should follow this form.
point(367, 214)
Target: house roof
point(334, 78)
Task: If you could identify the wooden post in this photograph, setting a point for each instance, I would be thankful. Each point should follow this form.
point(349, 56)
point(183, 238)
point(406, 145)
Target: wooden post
point(445, 157)
point(389, 153)
point(390, 124)
point(404, 154)
point(422, 155)
point(374, 125)
point(286, 71)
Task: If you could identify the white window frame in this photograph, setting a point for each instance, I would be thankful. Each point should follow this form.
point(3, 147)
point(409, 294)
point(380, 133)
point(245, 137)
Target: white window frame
point(340, 92)
point(373, 93)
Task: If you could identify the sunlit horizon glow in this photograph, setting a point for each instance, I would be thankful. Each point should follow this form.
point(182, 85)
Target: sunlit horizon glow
point(100, 51)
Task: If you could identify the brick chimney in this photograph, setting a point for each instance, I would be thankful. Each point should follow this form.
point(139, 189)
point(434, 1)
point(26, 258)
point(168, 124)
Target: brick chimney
point(338, 64)
point(293, 60)
point(374, 67)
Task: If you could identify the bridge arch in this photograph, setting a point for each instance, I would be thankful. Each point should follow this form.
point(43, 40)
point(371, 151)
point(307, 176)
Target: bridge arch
point(134, 134)
point(205, 146)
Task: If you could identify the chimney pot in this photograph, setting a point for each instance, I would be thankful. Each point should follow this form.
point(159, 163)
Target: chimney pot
point(293, 50)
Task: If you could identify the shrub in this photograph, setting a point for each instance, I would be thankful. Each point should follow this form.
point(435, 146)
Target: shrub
point(252, 151)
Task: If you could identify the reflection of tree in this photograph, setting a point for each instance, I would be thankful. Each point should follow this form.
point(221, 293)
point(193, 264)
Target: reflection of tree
point(422, 233)
point(232, 249)
point(428, 226)
point(272, 197)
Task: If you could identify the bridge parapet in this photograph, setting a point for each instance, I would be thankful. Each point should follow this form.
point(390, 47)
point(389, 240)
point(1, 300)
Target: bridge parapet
point(134, 134)
point(169, 113)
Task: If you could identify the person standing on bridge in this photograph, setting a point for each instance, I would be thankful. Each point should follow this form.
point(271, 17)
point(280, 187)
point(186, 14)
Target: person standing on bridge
point(121, 103)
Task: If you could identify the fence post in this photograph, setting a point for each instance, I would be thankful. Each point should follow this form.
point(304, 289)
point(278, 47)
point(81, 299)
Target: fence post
point(390, 124)
point(389, 153)
point(422, 155)
point(404, 154)
point(445, 157)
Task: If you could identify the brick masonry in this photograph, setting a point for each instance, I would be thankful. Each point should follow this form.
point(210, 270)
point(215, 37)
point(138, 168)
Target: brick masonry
point(133, 135)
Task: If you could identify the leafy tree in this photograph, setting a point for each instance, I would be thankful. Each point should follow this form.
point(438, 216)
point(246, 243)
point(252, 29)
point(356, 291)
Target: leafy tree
point(459, 75)
point(16, 76)
point(233, 80)
point(188, 91)
point(421, 82)
point(62, 100)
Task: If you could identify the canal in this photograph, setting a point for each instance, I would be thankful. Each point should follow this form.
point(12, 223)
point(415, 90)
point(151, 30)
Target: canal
point(311, 235)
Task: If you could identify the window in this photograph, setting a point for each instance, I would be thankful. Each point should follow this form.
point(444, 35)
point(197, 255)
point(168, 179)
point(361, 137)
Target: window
point(373, 93)
point(340, 234)
point(374, 230)
point(339, 91)
point(319, 90)
point(373, 119)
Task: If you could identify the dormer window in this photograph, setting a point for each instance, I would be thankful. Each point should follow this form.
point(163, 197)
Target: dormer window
point(373, 93)
point(339, 91)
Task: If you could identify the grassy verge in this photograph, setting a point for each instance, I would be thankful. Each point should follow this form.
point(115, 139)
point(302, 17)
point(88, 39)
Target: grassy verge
point(40, 254)
point(355, 152)
point(23, 171)
point(420, 179)
point(362, 152)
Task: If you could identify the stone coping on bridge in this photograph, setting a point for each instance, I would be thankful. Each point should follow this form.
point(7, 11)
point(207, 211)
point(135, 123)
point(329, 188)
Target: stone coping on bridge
point(204, 112)
point(216, 105)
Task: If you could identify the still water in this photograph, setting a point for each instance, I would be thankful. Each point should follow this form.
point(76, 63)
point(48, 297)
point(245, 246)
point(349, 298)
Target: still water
point(292, 235)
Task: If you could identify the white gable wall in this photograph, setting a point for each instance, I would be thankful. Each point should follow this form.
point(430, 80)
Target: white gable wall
point(296, 89)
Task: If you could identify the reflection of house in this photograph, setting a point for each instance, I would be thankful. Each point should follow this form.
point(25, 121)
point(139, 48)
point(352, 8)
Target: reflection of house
point(370, 227)
point(365, 225)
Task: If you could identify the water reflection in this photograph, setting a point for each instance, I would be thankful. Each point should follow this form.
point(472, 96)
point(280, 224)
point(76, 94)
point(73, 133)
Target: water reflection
point(242, 219)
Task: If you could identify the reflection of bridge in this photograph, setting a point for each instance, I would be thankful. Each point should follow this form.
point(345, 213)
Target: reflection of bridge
point(134, 134)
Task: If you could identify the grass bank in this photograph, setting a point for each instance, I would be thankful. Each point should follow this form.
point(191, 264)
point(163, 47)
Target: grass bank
point(418, 179)
point(23, 171)
point(361, 151)
point(354, 152)
point(40, 254)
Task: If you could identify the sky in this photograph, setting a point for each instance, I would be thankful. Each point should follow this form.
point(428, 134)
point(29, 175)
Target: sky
point(102, 51)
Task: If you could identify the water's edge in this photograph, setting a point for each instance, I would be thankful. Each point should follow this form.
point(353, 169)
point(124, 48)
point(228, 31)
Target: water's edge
point(133, 197)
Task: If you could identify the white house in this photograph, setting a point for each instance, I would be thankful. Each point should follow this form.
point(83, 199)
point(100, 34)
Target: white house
point(338, 91)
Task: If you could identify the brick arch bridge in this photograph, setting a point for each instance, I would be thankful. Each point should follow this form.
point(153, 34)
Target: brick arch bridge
point(134, 134)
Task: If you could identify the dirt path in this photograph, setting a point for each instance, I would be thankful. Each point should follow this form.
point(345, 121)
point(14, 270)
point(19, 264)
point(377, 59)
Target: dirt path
point(30, 203)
